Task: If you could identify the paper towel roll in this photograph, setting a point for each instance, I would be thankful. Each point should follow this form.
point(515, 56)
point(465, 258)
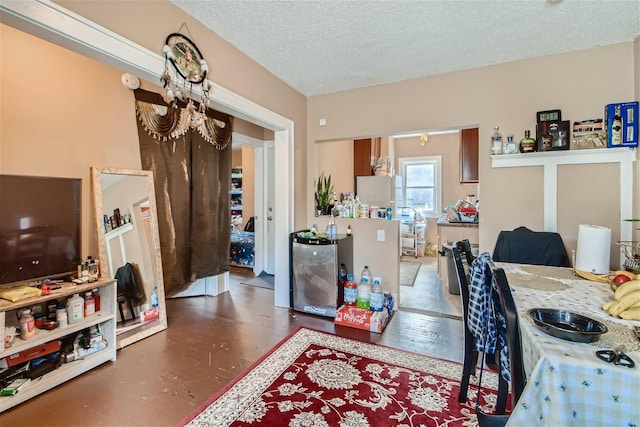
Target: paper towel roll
point(594, 249)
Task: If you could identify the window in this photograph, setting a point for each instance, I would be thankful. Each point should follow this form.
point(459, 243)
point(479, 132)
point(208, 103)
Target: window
point(421, 188)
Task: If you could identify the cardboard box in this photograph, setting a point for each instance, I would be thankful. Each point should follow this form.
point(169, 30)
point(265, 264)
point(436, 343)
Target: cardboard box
point(33, 353)
point(553, 135)
point(588, 134)
point(361, 318)
point(622, 128)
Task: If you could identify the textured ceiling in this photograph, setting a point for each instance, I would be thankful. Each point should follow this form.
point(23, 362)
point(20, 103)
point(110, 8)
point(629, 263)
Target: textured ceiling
point(320, 47)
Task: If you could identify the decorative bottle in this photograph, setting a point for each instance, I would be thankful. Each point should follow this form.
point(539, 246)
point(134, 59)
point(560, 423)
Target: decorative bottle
point(527, 144)
point(616, 128)
point(496, 141)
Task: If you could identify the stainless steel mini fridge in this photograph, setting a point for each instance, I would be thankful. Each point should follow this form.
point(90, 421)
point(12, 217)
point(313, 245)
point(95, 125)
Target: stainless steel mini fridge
point(314, 271)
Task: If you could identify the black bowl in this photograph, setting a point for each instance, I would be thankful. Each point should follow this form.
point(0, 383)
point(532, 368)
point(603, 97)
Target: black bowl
point(567, 325)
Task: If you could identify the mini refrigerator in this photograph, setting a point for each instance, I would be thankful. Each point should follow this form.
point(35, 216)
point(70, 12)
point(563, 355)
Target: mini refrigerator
point(314, 272)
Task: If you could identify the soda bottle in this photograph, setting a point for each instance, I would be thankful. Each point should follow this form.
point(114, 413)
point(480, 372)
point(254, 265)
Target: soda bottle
point(364, 292)
point(350, 291)
point(377, 295)
point(342, 280)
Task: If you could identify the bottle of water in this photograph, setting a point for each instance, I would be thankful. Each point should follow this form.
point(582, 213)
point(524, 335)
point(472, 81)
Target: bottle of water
point(377, 295)
point(154, 297)
point(364, 293)
point(366, 273)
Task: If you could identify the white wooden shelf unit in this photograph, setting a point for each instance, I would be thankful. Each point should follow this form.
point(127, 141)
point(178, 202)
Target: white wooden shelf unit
point(105, 319)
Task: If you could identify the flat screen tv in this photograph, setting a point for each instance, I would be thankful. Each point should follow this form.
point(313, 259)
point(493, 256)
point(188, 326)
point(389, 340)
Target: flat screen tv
point(40, 227)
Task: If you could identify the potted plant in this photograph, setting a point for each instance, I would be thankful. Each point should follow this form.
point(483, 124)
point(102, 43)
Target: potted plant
point(324, 188)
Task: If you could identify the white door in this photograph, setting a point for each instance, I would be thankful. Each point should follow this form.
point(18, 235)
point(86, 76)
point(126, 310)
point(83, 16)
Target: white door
point(270, 246)
point(264, 164)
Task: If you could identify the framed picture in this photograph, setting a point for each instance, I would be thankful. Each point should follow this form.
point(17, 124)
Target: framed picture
point(553, 135)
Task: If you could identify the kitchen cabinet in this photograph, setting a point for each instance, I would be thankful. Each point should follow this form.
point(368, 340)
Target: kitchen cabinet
point(365, 155)
point(469, 156)
point(104, 319)
point(236, 199)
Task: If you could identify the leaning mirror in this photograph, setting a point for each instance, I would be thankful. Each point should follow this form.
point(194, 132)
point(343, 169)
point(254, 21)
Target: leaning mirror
point(129, 250)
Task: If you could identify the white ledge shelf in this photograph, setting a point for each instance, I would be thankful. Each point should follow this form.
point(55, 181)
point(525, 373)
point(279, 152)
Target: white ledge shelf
point(550, 160)
point(565, 157)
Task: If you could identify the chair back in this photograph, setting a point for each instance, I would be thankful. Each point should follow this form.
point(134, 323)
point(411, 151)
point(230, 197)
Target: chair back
point(514, 343)
point(524, 246)
point(461, 249)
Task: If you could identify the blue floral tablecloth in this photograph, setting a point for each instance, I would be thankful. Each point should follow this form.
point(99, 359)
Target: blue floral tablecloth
point(567, 385)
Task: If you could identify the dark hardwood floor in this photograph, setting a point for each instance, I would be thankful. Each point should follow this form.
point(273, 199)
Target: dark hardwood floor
point(210, 340)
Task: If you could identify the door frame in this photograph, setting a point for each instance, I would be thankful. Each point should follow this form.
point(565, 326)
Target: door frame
point(52, 22)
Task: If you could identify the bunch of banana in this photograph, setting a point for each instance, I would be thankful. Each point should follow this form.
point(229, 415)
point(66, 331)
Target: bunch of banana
point(626, 302)
point(603, 278)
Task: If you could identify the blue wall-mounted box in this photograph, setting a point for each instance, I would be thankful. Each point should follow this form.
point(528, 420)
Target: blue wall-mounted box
point(621, 124)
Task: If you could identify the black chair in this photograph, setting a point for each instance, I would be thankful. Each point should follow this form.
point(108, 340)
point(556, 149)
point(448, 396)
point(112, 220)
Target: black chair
point(462, 249)
point(524, 246)
point(507, 310)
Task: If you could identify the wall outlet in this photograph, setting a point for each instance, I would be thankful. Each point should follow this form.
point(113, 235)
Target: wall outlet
point(381, 236)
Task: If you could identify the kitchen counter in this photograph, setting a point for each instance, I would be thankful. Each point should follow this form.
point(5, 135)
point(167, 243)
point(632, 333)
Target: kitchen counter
point(450, 232)
point(457, 224)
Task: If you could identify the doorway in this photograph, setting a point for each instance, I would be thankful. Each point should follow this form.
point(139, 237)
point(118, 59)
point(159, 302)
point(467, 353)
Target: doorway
point(58, 25)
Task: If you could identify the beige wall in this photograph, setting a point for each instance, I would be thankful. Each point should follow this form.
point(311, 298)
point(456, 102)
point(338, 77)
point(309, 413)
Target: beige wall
point(61, 112)
point(507, 95)
point(335, 158)
point(228, 66)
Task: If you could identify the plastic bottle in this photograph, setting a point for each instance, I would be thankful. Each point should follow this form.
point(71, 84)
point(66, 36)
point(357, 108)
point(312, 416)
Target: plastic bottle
point(61, 316)
point(364, 293)
point(89, 304)
point(96, 298)
point(350, 291)
point(154, 297)
point(342, 280)
point(75, 309)
point(366, 273)
point(377, 295)
point(27, 324)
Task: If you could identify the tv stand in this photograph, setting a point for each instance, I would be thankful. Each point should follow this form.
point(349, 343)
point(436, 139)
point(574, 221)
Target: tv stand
point(105, 319)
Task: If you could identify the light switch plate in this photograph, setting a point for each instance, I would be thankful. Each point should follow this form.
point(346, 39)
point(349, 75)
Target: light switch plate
point(381, 236)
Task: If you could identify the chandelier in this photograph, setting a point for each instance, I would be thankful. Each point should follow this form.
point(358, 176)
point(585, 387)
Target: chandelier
point(184, 70)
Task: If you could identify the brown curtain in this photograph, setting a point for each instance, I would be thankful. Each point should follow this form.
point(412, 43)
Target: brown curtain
point(192, 175)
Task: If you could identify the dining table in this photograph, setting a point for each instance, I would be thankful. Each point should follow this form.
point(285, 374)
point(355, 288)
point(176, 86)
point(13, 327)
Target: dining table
point(567, 384)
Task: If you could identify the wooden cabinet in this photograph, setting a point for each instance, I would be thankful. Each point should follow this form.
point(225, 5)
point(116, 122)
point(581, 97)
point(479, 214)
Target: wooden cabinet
point(104, 319)
point(362, 157)
point(469, 156)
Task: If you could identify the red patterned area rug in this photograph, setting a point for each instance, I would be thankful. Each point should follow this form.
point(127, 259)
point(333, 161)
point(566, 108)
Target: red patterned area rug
point(317, 379)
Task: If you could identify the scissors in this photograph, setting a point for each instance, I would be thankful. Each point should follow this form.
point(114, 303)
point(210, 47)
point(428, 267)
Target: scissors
point(615, 356)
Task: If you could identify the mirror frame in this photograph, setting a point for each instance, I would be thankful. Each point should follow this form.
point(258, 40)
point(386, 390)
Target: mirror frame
point(96, 174)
